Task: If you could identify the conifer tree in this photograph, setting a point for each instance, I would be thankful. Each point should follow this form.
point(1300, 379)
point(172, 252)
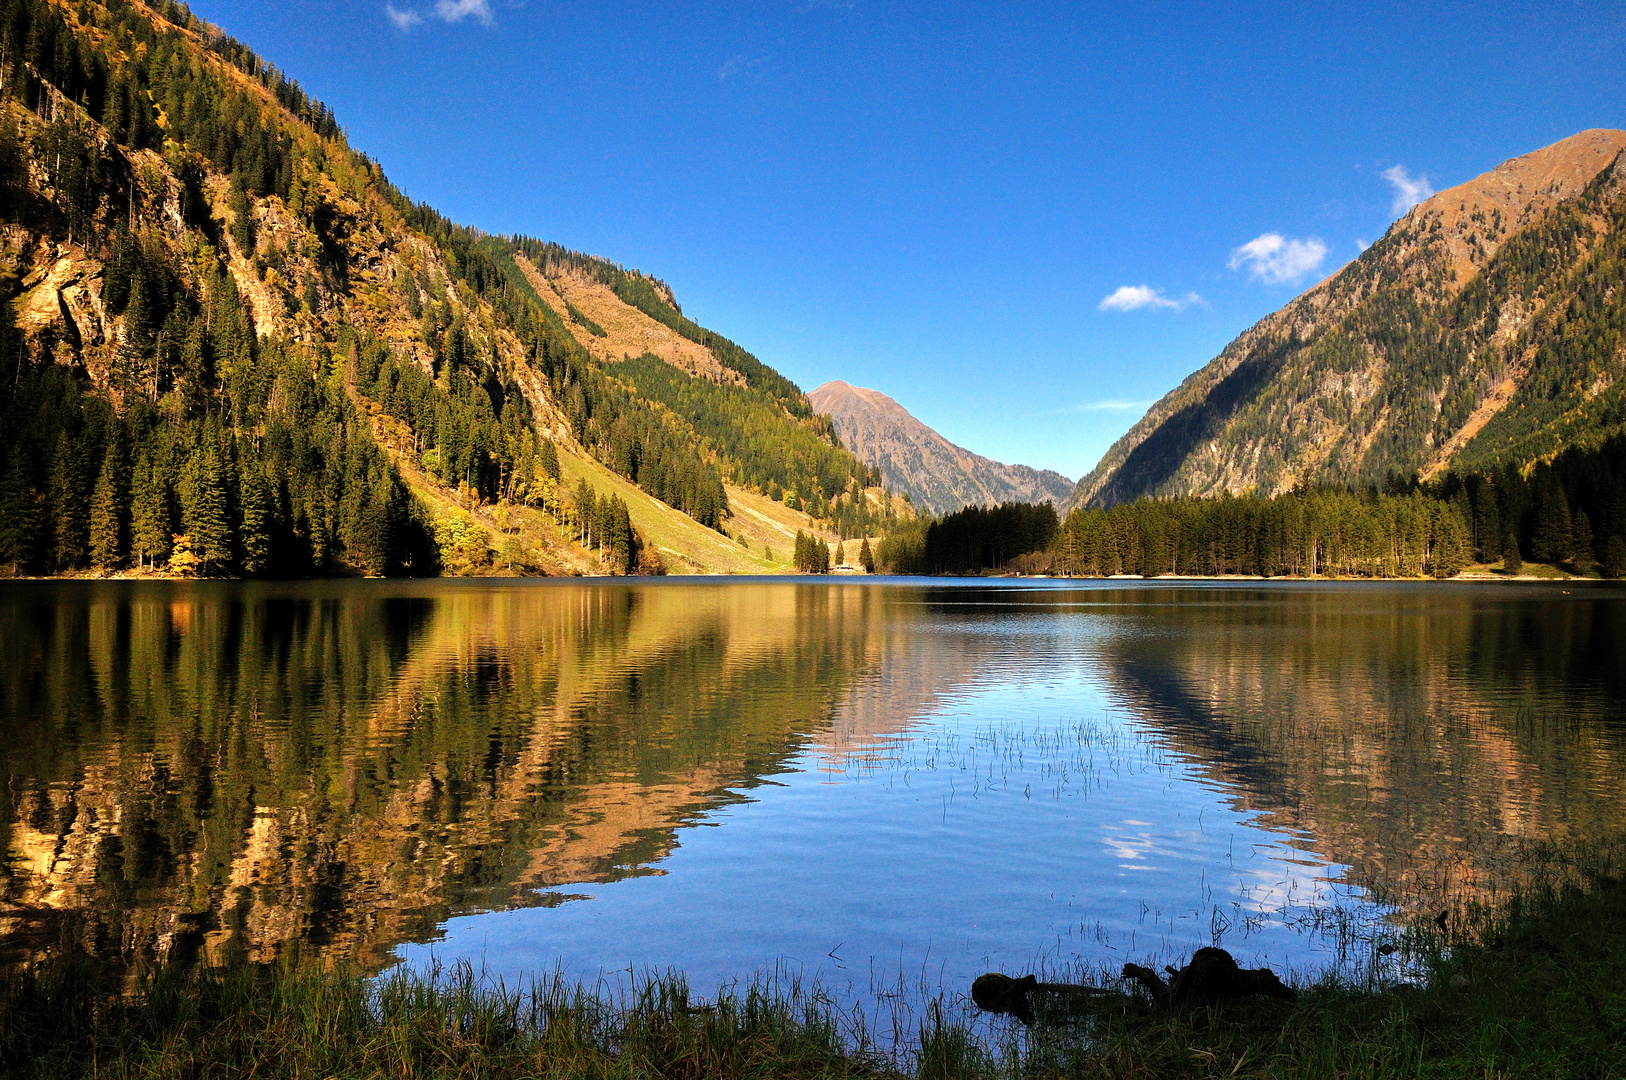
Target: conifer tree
point(316, 517)
point(1551, 541)
point(866, 557)
point(150, 514)
point(204, 508)
point(19, 512)
point(1581, 555)
point(622, 543)
point(586, 512)
point(110, 506)
point(1451, 548)
point(70, 491)
point(242, 221)
point(1614, 557)
point(1512, 558)
point(254, 535)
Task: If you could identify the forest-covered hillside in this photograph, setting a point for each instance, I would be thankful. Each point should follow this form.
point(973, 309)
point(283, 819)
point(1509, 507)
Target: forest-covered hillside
point(233, 347)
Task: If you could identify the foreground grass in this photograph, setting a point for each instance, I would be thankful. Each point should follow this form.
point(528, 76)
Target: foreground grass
point(1534, 990)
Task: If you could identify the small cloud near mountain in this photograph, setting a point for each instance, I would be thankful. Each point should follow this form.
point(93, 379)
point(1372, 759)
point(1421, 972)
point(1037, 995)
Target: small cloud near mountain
point(450, 11)
point(1134, 297)
point(1409, 190)
point(1113, 405)
point(1276, 259)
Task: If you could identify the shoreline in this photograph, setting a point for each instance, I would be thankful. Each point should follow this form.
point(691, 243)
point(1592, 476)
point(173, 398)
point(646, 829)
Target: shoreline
point(1531, 988)
point(1476, 575)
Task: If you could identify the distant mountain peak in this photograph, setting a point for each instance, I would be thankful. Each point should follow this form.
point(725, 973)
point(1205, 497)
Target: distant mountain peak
point(937, 475)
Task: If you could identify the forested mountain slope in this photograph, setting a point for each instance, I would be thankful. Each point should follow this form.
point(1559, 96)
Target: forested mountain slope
point(938, 476)
point(1484, 328)
point(233, 347)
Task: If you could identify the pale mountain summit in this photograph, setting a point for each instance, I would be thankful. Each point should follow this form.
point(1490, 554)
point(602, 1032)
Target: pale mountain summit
point(937, 475)
point(1472, 334)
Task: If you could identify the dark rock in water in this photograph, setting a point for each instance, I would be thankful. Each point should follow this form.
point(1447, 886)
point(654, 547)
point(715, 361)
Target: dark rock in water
point(1212, 976)
point(998, 993)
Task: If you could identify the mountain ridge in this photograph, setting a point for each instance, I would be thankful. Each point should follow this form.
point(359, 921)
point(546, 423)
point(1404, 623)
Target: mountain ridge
point(938, 475)
point(1380, 366)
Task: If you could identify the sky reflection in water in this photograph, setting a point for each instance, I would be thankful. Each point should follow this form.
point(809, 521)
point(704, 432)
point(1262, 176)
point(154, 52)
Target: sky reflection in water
point(864, 783)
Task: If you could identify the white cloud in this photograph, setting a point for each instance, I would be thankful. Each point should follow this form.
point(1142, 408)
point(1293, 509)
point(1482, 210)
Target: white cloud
point(1132, 297)
point(451, 11)
point(1111, 405)
point(403, 20)
point(1275, 259)
point(1409, 190)
point(458, 10)
point(1107, 405)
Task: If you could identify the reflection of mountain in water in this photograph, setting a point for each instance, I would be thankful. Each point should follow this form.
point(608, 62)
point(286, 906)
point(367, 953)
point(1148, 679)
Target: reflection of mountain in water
point(229, 768)
point(341, 767)
point(1407, 733)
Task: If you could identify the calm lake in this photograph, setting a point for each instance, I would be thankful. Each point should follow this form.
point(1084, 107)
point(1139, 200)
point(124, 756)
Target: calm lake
point(877, 784)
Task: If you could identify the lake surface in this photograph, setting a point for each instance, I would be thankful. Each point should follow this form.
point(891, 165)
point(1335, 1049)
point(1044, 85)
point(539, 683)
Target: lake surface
point(876, 784)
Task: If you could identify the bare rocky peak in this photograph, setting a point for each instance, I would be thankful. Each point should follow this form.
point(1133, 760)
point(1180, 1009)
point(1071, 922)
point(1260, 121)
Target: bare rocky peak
point(937, 475)
point(1483, 212)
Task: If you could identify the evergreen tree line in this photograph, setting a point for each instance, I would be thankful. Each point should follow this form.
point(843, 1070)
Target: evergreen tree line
point(1317, 532)
point(1570, 511)
point(810, 554)
point(602, 522)
point(662, 455)
point(298, 488)
point(971, 540)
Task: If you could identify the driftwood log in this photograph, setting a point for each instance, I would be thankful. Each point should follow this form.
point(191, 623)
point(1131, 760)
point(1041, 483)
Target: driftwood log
point(1211, 977)
point(998, 993)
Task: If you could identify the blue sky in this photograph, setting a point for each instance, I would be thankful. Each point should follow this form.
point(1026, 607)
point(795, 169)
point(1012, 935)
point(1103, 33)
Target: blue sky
point(1024, 222)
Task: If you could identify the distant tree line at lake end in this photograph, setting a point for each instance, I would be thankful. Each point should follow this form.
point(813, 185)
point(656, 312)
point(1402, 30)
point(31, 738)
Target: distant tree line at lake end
point(1568, 512)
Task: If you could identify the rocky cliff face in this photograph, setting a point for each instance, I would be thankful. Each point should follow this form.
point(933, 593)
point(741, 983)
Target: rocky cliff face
point(937, 475)
point(1478, 330)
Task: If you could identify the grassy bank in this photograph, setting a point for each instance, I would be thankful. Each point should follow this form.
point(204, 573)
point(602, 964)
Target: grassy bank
point(1534, 989)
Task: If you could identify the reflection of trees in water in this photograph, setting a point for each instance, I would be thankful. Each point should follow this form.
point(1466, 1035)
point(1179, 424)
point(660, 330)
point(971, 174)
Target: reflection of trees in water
point(230, 768)
point(212, 768)
point(1415, 735)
